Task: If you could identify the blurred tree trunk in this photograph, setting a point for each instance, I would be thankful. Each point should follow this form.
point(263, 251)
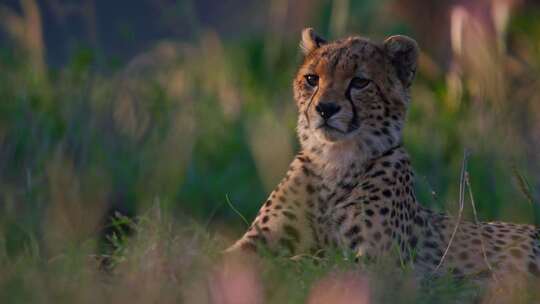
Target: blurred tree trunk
point(26, 30)
point(340, 17)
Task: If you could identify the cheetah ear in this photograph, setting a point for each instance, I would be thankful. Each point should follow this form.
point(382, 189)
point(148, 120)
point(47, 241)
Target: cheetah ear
point(403, 53)
point(310, 41)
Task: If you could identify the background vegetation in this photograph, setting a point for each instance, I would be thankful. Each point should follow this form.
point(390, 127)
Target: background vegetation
point(127, 130)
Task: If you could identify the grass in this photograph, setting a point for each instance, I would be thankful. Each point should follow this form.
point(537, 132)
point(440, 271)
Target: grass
point(117, 182)
point(169, 261)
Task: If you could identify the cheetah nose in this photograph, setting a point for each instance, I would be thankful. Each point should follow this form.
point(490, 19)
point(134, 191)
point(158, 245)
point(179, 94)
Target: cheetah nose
point(327, 109)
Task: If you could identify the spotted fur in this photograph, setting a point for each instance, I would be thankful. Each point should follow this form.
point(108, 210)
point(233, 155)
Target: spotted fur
point(352, 185)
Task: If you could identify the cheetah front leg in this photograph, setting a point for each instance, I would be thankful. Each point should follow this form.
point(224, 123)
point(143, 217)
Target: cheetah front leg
point(283, 222)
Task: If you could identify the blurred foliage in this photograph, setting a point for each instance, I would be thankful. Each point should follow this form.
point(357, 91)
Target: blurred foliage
point(185, 126)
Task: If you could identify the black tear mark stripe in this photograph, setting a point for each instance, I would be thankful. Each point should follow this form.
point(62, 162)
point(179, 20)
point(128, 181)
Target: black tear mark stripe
point(309, 104)
point(354, 121)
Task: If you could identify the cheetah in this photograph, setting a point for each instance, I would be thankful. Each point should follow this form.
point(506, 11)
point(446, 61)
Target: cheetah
point(352, 185)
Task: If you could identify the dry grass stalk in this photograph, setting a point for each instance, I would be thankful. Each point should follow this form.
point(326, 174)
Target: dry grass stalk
point(477, 223)
point(26, 30)
point(461, 207)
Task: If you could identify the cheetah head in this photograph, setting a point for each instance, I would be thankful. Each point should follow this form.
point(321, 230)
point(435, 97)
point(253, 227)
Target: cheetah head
point(352, 94)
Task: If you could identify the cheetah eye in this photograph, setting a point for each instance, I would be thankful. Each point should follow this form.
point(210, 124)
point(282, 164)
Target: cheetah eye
point(312, 80)
point(359, 83)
